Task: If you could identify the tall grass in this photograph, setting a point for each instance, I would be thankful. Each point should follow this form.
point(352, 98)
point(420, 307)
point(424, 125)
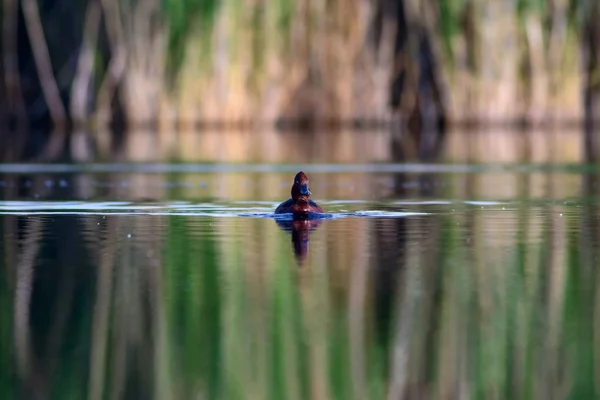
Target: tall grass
point(259, 60)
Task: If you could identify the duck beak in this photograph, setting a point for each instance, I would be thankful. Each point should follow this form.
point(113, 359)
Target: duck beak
point(304, 190)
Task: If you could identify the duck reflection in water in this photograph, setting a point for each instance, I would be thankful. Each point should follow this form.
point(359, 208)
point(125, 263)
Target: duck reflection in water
point(301, 230)
point(301, 208)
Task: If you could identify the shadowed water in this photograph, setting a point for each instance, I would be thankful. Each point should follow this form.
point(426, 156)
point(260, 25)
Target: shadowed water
point(177, 281)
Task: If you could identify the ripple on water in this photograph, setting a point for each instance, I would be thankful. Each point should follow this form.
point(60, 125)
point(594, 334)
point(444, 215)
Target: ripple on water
point(124, 208)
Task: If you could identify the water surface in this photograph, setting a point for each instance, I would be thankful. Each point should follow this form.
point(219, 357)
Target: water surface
point(176, 281)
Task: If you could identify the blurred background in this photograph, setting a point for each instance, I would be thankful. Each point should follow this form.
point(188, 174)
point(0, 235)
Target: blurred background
point(144, 145)
point(80, 78)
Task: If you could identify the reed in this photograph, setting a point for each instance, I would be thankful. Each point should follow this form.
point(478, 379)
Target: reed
point(180, 61)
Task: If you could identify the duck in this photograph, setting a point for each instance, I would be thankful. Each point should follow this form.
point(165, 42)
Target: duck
point(299, 204)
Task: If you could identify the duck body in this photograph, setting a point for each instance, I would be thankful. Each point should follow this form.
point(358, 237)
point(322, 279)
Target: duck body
point(299, 203)
point(290, 206)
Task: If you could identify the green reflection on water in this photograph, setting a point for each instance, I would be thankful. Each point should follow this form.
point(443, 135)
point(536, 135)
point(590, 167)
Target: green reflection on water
point(470, 300)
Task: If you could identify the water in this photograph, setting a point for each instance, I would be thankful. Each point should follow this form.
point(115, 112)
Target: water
point(175, 281)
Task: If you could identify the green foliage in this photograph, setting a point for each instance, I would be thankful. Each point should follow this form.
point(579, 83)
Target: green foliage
point(183, 19)
point(193, 297)
point(285, 14)
point(450, 15)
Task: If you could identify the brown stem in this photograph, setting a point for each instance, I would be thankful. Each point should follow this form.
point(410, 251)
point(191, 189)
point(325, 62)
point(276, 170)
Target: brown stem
point(591, 59)
point(10, 60)
point(43, 63)
point(118, 62)
point(80, 87)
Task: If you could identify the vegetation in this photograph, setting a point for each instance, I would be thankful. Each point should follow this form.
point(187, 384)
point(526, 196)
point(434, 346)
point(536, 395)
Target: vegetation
point(183, 61)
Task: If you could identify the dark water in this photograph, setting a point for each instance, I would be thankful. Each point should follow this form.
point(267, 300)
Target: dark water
point(152, 281)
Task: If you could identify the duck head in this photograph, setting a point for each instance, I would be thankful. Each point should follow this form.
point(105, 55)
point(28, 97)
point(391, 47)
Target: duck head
point(300, 191)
